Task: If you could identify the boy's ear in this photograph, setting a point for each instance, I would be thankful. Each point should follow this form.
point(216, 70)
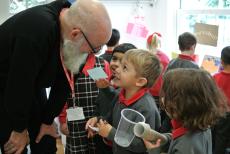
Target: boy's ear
point(141, 82)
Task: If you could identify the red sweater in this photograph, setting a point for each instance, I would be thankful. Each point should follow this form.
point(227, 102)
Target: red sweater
point(155, 89)
point(222, 79)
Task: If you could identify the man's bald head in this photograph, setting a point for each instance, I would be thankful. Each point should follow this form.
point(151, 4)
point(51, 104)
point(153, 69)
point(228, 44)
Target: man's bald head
point(91, 17)
point(85, 27)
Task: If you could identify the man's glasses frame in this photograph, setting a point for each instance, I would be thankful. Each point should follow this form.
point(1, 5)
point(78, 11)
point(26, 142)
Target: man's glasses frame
point(95, 50)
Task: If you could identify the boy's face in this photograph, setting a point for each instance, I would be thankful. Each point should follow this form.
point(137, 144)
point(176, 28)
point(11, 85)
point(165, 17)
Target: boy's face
point(116, 62)
point(126, 75)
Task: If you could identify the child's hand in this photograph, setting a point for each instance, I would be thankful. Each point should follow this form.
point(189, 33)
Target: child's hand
point(104, 128)
point(91, 122)
point(150, 145)
point(102, 83)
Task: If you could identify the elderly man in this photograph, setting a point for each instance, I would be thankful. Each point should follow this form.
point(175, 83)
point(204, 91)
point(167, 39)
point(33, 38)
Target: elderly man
point(39, 47)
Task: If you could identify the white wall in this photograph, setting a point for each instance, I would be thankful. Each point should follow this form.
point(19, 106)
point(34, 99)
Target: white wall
point(170, 41)
point(159, 18)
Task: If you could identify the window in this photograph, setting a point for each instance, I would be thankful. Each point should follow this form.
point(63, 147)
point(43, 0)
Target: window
point(20, 5)
point(213, 12)
point(205, 4)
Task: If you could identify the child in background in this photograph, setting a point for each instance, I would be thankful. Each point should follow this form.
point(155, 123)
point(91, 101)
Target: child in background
point(138, 71)
point(194, 103)
point(187, 59)
point(85, 95)
point(111, 44)
point(153, 44)
point(223, 78)
point(221, 131)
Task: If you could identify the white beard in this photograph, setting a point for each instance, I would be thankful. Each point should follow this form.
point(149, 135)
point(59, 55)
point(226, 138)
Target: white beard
point(73, 58)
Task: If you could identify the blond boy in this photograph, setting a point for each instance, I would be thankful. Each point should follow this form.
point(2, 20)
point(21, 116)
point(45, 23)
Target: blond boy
point(138, 71)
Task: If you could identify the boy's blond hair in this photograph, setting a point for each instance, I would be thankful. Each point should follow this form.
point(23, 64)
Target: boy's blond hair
point(145, 63)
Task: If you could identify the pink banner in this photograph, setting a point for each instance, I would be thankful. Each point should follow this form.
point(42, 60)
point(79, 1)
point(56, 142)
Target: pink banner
point(137, 27)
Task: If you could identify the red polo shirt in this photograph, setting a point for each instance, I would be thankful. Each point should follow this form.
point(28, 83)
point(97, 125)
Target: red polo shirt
point(155, 89)
point(223, 81)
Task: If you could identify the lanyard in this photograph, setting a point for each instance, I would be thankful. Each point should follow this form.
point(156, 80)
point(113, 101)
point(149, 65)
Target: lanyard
point(70, 79)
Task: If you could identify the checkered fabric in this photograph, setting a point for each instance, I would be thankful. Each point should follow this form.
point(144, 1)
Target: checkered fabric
point(86, 94)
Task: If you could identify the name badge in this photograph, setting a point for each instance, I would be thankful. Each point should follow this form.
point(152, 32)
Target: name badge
point(74, 114)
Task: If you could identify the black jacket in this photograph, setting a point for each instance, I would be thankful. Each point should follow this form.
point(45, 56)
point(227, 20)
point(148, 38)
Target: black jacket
point(30, 62)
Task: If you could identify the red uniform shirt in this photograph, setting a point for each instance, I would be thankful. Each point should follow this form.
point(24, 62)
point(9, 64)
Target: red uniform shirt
point(223, 81)
point(157, 86)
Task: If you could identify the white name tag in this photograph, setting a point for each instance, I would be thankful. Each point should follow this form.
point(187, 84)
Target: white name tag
point(74, 114)
point(97, 73)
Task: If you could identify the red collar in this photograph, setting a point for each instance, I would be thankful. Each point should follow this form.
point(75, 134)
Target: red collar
point(109, 51)
point(90, 62)
point(133, 99)
point(188, 57)
point(225, 73)
point(178, 129)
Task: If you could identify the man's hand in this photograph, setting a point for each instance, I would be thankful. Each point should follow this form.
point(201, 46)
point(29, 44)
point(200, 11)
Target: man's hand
point(47, 130)
point(17, 142)
point(91, 122)
point(104, 128)
point(64, 128)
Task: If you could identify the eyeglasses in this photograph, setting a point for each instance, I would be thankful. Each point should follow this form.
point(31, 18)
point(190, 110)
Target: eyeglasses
point(95, 50)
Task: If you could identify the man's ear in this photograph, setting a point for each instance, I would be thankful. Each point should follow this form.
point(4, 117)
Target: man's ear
point(75, 33)
point(141, 82)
